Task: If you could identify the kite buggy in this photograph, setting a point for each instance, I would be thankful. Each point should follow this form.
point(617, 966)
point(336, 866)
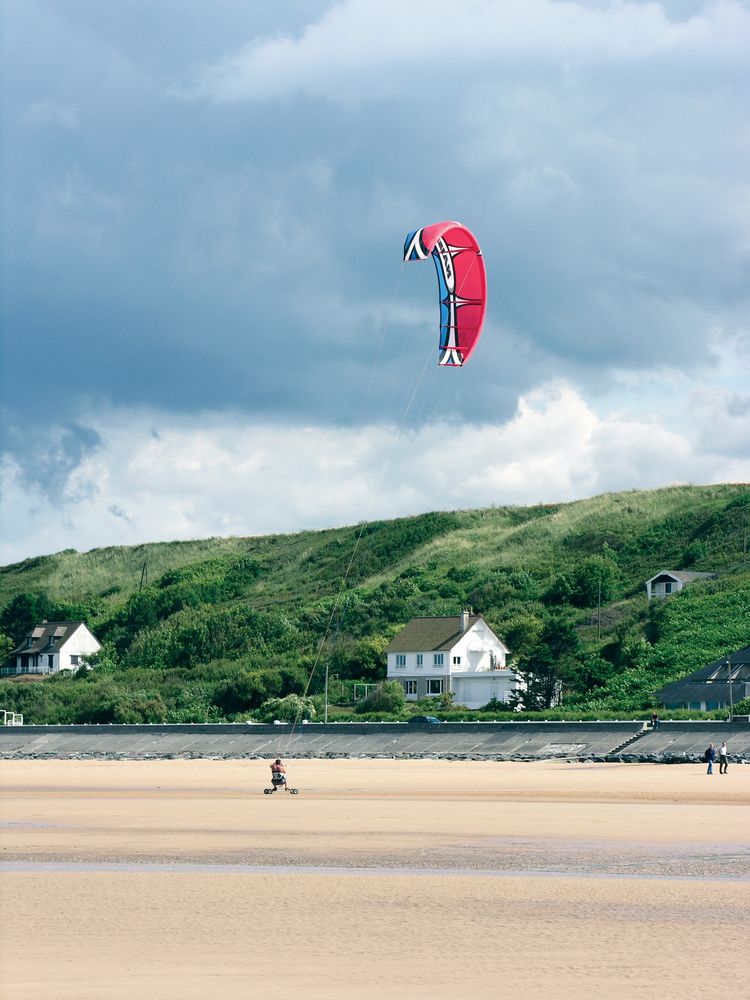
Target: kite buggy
point(278, 779)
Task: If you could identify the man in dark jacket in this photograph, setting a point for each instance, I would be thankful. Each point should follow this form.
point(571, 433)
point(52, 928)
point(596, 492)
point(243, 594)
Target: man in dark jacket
point(710, 756)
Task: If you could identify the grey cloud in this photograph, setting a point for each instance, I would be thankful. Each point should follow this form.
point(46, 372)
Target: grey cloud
point(47, 460)
point(192, 256)
point(116, 511)
point(739, 406)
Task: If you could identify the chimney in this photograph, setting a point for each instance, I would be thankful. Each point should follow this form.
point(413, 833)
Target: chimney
point(464, 621)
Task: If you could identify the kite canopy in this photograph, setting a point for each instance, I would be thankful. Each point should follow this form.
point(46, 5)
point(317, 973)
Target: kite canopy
point(461, 282)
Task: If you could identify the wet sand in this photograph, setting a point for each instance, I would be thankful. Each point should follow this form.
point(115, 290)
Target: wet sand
point(381, 879)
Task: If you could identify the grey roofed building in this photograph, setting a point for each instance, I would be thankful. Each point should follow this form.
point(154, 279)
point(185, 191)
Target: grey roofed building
point(708, 688)
point(431, 634)
point(457, 655)
point(47, 636)
point(51, 647)
point(670, 581)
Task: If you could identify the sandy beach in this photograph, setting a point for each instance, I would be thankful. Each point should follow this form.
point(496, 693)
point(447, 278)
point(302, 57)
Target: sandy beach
point(381, 879)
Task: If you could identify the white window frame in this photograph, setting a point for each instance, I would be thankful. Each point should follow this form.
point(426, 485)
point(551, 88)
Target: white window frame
point(435, 680)
point(456, 661)
point(400, 659)
point(438, 659)
point(420, 659)
point(410, 687)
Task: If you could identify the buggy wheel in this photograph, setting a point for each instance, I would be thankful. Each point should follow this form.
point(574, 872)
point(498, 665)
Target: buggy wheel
point(294, 791)
point(267, 791)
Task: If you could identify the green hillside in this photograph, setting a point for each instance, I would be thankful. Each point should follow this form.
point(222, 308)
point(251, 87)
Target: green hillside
point(209, 630)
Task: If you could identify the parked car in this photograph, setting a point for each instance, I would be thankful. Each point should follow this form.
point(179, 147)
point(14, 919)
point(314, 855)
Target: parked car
point(425, 719)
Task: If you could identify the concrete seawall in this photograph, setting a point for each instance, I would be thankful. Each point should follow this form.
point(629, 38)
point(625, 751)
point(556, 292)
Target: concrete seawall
point(672, 742)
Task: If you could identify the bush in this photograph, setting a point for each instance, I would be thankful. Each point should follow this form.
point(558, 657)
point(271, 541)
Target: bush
point(247, 691)
point(386, 697)
point(493, 705)
point(293, 708)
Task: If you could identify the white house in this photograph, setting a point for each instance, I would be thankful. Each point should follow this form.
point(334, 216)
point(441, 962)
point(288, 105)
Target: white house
point(669, 581)
point(54, 646)
point(457, 653)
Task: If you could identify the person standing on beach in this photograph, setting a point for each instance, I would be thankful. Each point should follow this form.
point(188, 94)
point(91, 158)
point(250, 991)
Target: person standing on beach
point(723, 762)
point(710, 756)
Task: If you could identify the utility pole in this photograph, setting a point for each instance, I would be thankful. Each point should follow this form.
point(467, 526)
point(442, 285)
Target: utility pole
point(731, 700)
point(144, 576)
point(325, 711)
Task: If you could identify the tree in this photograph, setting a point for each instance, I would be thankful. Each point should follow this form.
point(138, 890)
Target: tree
point(386, 697)
point(104, 660)
point(594, 580)
point(361, 659)
point(521, 632)
point(550, 663)
point(591, 671)
point(6, 644)
point(248, 691)
point(23, 612)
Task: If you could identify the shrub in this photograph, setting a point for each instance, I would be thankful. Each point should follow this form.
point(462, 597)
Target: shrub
point(293, 708)
point(386, 697)
point(493, 705)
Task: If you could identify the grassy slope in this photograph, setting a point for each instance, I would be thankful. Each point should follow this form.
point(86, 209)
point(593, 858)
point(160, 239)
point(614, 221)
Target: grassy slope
point(436, 563)
point(643, 527)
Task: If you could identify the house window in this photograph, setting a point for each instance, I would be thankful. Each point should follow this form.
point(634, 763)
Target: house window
point(400, 659)
point(74, 660)
point(29, 642)
point(420, 659)
point(437, 659)
point(456, 661)
point(50, 661)
point(35, 660)
point(435, 685)
point(667, 588)
point(410, 687)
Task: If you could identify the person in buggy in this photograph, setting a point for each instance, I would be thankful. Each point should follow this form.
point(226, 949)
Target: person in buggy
point(278, 779)
point(278, 774)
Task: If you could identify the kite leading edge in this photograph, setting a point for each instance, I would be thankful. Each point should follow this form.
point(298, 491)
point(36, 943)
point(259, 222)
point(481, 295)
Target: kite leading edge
point(462, 285)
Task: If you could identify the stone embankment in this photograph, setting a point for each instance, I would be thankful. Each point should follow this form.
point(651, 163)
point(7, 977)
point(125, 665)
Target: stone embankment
point(632, 742)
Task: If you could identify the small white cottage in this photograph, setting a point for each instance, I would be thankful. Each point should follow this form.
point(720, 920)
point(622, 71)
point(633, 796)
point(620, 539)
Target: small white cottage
point(455, 653)
point(54, 646)
point(670, 581)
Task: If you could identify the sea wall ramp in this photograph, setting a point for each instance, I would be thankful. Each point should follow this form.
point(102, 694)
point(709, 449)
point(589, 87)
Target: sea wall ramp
point(678, 742)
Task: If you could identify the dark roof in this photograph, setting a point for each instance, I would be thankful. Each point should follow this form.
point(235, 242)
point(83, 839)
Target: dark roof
point(47, 637)
point(430, 634)
point(686, 576)
point(683, 692)
point(712, 681)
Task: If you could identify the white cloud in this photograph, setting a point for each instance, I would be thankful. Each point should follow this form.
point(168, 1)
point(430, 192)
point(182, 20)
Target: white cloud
point(362, 48)
point(220, 475)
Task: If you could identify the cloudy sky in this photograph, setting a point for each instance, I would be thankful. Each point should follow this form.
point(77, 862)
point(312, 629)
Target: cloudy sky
point(207, 328)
